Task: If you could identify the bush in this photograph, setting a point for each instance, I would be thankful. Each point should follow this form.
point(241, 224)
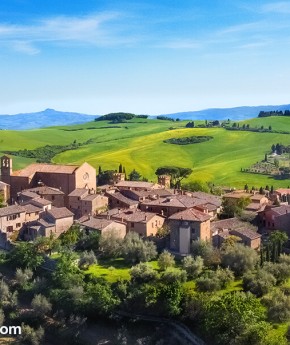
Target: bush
point(87, 259)
point(278, 305)
point(281, 271)
point(30, 336)
point(134, 249)
point(210, 255)
point(193, 267)
point(172, 275)
point(22, 277)
point(142, 273)
point(215, 280)
point(41, 305)
point(110, 244)
point(239, 258)
point(165, 260)
point(259, 283)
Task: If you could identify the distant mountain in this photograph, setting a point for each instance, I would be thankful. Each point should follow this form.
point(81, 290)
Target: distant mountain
point(46, 118)
point(238, 113)
point(51, 117)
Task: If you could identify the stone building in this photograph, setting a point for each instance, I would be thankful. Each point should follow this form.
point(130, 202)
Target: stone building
point(186, 226)
point(64, 177)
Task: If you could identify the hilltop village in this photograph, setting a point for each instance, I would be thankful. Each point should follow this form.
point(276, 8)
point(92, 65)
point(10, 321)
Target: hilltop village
point(47, 199)
point(74, 252)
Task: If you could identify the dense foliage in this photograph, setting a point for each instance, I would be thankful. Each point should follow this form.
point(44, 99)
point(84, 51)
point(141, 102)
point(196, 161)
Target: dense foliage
point(188, 140)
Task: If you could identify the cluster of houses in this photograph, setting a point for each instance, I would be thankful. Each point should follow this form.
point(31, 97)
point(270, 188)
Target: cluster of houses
point(45, 199)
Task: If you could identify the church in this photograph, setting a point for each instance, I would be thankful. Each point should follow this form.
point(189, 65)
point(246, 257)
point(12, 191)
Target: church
point(63, 177)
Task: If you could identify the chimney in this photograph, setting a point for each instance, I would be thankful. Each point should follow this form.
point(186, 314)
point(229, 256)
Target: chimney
point(119, 211)
point(162, 212)
point(146, 217)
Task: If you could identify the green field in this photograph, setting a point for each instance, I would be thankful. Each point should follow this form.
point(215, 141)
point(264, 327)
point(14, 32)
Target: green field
point(140, 145)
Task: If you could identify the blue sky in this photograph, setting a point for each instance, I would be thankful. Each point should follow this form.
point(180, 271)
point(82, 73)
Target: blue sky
point(153, 57)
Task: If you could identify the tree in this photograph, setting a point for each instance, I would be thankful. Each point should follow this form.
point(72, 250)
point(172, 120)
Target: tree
point(196, 186)
point(110, 244)
point(210, 255)
point(239, 258)
point(278, 305)
point(193, 267)
point(177, 174)
point(134, 175)
point(228, 315)
point(25, 255)
point(165, 260)
point(87, 259)
point(278, 238)
point(259, 283)
point(135, 250)
point(41, 305)
point(30, 336)
point(232, 208)
point(120, 168)
point(70, 238)
point(106, 177)
point(67, 274)
point(22, 277)
point(142, 273)
point(172, 275)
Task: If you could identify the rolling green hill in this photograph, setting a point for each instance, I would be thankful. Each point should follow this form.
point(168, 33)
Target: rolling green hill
point(140, 144)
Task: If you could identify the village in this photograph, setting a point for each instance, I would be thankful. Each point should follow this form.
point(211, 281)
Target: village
point(47, 200)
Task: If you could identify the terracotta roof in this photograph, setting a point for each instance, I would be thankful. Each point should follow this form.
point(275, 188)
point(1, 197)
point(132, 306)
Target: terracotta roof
point(112, 212)
point(44, 223)
point(246, 232)
point(238, 195)
point(136, 216)
point(3, 184)
point(79, 192)
point(29, 208)
point(39, 201)
point(91, 197)
point(231, 224)
point(60, 212)
point(191, 215)
point(135, 184)
point(182, 201)
point(28, 194)
point(283, 191)
point(207, 198)
point(9, 210)
point(123, 199)
point(279, 210)
point(98, 223)
point(257, 197)
point(45, 190)
point(46, 168)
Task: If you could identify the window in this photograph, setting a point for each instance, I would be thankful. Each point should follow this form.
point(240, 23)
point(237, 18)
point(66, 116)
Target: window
point(132, 225)
point(52, 198)
point(193, 231)
point(18, 225)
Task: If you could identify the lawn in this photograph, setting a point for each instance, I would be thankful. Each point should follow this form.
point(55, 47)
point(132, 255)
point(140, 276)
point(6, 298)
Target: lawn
point(139, 145)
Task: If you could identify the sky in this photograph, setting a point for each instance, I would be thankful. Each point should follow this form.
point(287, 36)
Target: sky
point(143, 56)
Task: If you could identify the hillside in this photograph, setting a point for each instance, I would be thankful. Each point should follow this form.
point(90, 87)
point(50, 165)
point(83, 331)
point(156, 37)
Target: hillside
point(140, 145)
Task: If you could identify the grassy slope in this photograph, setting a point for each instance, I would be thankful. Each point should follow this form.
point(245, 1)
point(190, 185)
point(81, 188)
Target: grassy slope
point(141, 146)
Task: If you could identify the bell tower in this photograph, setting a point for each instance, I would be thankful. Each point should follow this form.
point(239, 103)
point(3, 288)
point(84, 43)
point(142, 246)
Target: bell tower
point(6, 169)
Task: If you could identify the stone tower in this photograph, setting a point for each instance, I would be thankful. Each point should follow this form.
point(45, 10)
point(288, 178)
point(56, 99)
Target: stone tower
point(164, 180)
point(6, 169)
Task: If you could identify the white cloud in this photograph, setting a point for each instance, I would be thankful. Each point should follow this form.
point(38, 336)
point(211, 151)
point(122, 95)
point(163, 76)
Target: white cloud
point(95, 30)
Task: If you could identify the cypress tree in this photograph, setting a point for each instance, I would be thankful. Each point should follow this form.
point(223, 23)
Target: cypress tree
point(120, 168)
point(100, 170)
